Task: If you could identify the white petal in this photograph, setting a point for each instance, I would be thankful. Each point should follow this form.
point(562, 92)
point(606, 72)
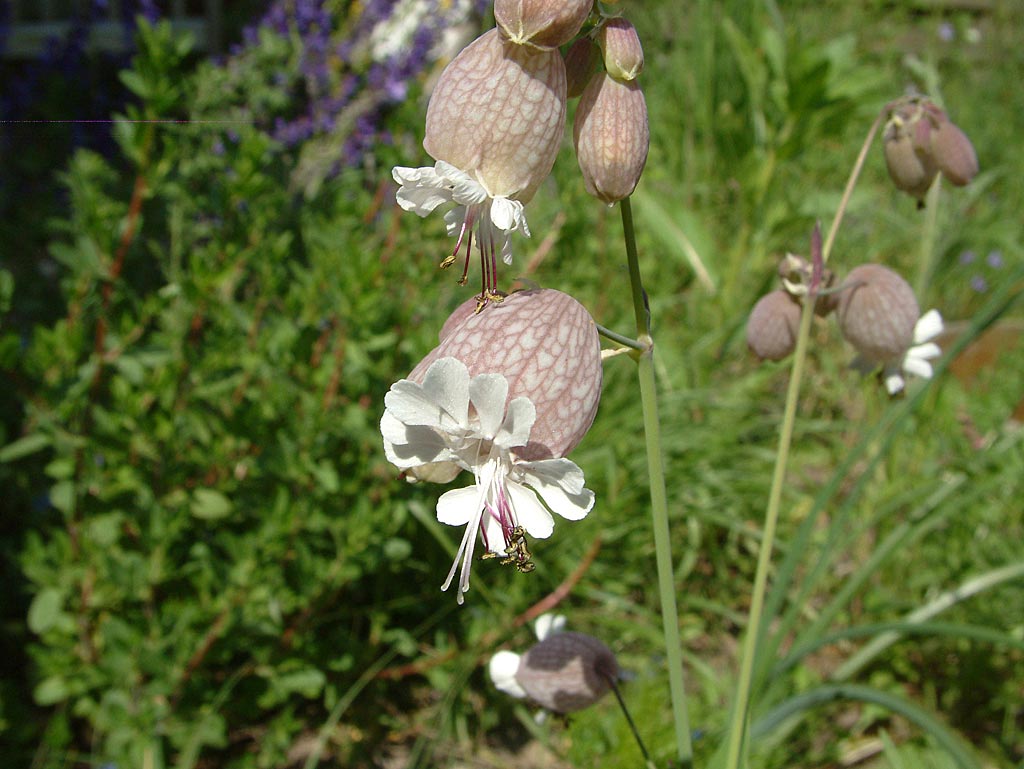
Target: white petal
point(413, 445)
point(505, 212)
point(893, 380)
point(560, 484)
point(423, 176)
point(468, 192)
point(925, 351)
point(503, 668)
point(459, 506)
point(434, 472)
point(928, 326)
point(530, 513)
point(454, 221)
point(449, 173)
point(506, 249)
point(422, 200)
point(918, 367)
point(548, 624)
point(515, 430)
point(487, 393)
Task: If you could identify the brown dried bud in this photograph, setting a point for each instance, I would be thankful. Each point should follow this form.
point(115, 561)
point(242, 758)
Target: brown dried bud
point(954, 153)
point(498, 114)
point(877, 313)
point(545, 344)
point(543, 24)
point(620, 44)
point(773, 325)
point(580, 62)
point(567, 671)
point(611, 137)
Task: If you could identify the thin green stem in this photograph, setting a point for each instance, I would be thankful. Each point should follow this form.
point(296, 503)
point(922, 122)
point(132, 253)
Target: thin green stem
point(737, 729)
point(929, 235)
point(625, 341)
point(858, 166)
point(659, 500)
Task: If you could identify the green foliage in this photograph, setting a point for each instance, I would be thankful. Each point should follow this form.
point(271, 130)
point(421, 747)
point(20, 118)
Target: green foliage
point(214, 565)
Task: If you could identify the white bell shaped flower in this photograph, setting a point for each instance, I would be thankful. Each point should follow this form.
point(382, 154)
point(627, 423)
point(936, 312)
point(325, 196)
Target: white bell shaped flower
point(453, 420)
point(492, 218)
point(917, 360)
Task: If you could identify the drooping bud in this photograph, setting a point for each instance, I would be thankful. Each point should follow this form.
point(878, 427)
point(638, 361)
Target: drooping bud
point(567, 671)
point(877, 313)
point(910, 166)
point(921, 141)
point(498, 114)
point(620, 45)
point(954, 153)
point(546, 345)
point(612, 137)
point(580, 62)
point(773, 325)
point(543, 24)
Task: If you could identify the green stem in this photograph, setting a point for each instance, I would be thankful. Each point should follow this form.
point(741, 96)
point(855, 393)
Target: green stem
point(659, 500)
point(737, 728)
point(625, 341)
point(929, 235)
point(632, 725)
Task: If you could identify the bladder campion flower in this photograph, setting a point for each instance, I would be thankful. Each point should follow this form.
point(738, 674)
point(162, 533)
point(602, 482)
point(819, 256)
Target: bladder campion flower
point(879, 316)
point(564, 671)
point(507, 407)
point(541, 23)
point(494, 123)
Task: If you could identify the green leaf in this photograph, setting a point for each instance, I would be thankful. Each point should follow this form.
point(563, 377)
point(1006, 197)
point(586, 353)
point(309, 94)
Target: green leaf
point(22, 447)
point(210, 504)
point(62, 496)
point(50, 691)
point(45, 610)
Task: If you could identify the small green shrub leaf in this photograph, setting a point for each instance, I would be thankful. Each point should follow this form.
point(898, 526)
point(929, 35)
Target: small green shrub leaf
point(45, 610)
point(210, 504)
point(22, 447)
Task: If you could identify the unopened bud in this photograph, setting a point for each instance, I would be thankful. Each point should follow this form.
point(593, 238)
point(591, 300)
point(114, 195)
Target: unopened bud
point(567, 671)
point(954, 153)
point(620, 44)
point(611, 136)
point(541, 23)
point(877, 313)
point(773, 325)
point(910, 168)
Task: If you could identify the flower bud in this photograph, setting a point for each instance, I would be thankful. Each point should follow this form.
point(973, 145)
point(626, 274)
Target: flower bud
point(567, 671)
point(877, 313)
point(773, 325)
point(543, 24)
point(620, 44)
point(910, 168)
point(611, 137)
point(580, 62)
point(545, 344)
point(498, 114)
point(954, 153)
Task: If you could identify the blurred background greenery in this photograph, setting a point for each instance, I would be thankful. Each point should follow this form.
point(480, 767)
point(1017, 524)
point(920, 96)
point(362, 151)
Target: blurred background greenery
point(209, 562)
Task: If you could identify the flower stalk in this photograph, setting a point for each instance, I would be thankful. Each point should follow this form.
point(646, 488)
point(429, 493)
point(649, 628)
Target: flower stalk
point(659, 500)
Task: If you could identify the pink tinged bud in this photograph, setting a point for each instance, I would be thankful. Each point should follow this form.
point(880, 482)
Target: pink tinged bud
point(580, 63)
point(620, 44)
point(541, 23)
point(773, 325)
point(546, 345)
point(911, 169)
point(498, 113)
point(567, 671)
point(611, 137)
point(954, 153)
point(877, 313)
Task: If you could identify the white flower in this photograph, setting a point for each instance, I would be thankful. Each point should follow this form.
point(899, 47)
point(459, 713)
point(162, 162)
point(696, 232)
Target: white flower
point(917, 359)
point(493, 218)
point(453, 420)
